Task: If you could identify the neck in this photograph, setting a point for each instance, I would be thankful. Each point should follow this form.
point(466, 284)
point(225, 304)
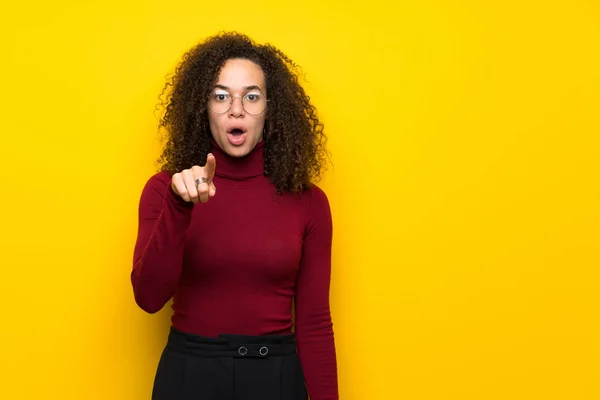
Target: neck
point(239, 168)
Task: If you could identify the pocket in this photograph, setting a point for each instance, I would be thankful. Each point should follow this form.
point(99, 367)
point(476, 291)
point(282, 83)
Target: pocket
point(292, 379)
point(169, 377)
point(302, 391)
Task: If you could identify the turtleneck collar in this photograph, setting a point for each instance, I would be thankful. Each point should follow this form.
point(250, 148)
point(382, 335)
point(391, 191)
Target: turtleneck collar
point(239, 168)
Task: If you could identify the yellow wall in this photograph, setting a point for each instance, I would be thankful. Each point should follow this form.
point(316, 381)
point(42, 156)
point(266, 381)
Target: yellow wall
point(464, 190)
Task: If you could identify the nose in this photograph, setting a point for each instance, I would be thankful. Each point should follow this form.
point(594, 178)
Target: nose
point(236, 109)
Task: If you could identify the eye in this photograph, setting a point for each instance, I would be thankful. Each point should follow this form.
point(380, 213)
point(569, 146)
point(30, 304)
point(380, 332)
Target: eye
point(221, 96)
point(253, 97)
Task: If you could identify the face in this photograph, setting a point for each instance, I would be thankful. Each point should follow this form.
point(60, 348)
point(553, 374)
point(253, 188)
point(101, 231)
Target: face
point(238, 129)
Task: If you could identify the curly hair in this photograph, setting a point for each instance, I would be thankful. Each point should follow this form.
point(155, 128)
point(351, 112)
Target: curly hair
point(294, 152)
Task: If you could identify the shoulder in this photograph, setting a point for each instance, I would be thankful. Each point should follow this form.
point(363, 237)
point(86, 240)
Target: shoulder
point(317, 196)
point(317, 203)
point(160, 178)
point(157, 184)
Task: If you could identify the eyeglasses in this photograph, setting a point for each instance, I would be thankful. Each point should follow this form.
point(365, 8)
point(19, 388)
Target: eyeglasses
point(220, 102)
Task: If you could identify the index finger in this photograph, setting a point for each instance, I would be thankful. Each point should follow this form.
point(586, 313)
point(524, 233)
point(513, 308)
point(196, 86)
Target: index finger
point(211, 165)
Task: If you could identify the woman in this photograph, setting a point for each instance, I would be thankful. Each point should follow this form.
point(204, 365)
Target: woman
point(234, 231)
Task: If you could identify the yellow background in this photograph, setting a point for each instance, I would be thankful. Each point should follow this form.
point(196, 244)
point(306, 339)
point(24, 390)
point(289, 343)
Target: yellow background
point(464, 189)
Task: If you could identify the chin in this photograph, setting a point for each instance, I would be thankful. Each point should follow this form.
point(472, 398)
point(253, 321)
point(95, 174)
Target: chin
point(241, 150)
point(237, 151)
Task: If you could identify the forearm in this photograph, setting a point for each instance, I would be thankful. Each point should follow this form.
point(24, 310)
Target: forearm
point(316, 350)
point(158, 253)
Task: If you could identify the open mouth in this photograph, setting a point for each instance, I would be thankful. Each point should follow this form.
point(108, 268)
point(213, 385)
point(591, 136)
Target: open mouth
point(236, 135)
point(236, 131)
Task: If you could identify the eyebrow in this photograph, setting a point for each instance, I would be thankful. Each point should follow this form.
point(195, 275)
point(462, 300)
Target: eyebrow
point(251, 87)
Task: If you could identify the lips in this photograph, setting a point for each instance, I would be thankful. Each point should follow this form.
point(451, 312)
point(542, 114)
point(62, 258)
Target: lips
point(236, 135)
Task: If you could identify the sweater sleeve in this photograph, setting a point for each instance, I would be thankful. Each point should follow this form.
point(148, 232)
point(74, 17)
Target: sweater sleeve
point(158, 254)
point(314, 328)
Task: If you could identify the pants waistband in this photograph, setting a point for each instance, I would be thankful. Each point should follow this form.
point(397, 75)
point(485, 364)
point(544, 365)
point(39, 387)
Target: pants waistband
point(229, 345)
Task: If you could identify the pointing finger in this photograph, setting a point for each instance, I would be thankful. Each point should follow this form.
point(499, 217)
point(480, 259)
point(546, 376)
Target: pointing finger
point(211, 165)
point(203, 192)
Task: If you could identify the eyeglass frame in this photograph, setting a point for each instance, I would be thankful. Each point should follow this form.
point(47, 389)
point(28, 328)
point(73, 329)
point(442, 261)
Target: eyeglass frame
point(233, 96)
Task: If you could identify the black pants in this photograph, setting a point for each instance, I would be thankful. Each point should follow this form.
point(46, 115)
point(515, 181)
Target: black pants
point(230, 367)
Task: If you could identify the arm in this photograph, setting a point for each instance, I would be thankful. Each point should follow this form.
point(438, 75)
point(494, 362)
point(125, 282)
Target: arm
point(158, 254)
point(314, 328)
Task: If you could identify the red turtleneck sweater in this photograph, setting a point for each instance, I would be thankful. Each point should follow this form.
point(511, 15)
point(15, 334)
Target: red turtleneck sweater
point(234, 264)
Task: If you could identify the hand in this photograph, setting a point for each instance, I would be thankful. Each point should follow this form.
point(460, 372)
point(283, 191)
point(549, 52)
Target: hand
point(196, 184)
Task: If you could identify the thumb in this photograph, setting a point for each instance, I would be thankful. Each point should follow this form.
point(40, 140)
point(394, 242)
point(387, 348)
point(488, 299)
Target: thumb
point(211, 165)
